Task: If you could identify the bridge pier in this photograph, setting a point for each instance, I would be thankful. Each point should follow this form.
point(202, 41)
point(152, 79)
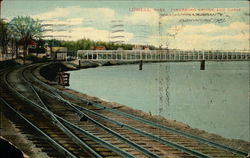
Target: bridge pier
point(140, 65)
point(202, 66)
point(79, 64)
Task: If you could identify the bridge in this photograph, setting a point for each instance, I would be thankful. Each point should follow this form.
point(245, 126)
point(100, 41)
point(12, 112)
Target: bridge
point(163, 55)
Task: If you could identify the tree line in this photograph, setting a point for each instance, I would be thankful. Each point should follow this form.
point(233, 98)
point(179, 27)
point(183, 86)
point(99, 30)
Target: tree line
point(87, 44)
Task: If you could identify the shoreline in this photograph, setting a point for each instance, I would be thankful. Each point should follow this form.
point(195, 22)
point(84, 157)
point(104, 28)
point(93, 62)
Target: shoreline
point(234, 143)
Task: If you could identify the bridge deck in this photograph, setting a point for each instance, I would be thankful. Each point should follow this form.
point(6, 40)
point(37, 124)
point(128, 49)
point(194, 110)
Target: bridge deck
point(161, 55)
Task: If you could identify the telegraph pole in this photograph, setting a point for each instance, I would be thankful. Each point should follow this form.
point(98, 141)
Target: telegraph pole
point(160, 31)
point(0, 8)
point(0, 20)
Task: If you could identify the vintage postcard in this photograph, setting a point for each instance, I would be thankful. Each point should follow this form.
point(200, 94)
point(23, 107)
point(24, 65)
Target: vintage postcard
point(124, 78)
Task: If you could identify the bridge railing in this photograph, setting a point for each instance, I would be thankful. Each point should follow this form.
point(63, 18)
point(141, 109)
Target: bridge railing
point(164, 55)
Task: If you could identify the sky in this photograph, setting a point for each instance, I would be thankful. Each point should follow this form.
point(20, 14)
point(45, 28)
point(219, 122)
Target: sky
point(189, 24)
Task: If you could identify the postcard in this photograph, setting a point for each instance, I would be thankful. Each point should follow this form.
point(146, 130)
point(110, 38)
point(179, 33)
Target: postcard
point(125, 78)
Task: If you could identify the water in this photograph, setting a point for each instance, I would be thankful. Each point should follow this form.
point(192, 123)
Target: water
point(215, 100)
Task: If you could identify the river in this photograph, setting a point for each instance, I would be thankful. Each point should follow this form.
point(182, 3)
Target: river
point(215, 100)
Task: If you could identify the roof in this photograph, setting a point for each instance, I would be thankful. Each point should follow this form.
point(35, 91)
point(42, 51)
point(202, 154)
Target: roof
point(100, 48)
point(30, 42)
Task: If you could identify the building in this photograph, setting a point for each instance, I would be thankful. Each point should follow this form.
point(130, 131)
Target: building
point(31, 47)
point(139, 47)
point(120, 48)
point(59, 53)
point(47, 48)
point(100, 48)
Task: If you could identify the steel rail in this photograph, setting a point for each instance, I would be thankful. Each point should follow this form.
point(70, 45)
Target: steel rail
point(103, 127)
point(133, 129)
point(59, 147)
point(70, 134)
point(149, 135)
point(97, 139)
point(4, 69)
point(172, 130)
point(181, 133)
point(157, 125)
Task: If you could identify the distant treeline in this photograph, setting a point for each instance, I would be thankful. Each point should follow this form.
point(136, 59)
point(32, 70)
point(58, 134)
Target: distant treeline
point(86, 44)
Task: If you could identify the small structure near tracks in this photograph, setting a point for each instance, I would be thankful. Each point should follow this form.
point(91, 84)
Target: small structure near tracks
point(63, 78)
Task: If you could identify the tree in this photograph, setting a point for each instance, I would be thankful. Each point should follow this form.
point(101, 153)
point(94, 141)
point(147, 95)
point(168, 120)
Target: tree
point(25, 30)
point(4, 36)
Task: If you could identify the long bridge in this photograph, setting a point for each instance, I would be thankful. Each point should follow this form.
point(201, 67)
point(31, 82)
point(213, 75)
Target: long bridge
point(163, 55)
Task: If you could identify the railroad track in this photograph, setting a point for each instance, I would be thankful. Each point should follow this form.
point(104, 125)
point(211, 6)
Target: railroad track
point(98, 131)
point(42, 122)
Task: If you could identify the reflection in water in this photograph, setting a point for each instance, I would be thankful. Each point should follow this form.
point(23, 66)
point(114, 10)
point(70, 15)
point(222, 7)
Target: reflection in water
point(215, 100)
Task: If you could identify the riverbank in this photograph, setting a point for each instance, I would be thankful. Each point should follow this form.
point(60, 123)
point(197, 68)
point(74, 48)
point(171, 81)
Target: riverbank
point(238, 144)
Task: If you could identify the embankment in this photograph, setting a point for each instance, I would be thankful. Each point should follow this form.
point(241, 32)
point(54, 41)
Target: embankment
point(49, 71)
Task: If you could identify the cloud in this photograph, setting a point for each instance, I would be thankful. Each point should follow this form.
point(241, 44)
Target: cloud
point(75, 21)
point(233, 28)
point(150, 17)
point(239, 26)
point(72, 21)
point(200, 42)
point(211, 36)
point(190, 13)
point(153, 40)
point(94, 23)
point(209, 15)
point(57, 12)
point(206, 36)
point(76, 11)
point(95, 20)
point(88, 32)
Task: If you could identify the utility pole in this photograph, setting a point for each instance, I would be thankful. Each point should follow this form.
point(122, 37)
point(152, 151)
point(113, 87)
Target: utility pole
point(0, 8)
point(1, 26)
point(160, 31)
